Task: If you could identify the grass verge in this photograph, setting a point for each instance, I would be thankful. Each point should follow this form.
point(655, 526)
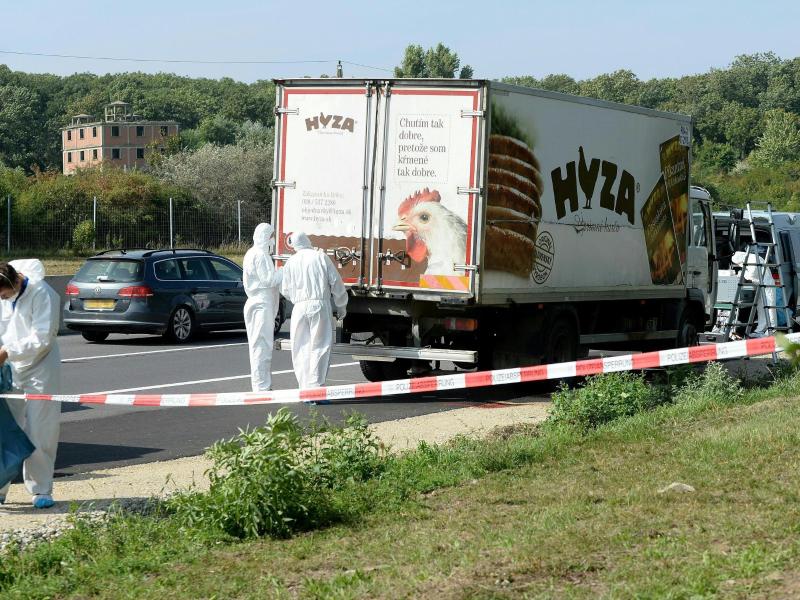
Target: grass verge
point(559, 511)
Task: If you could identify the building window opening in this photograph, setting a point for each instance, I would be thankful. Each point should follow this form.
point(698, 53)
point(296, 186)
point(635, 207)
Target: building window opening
point(115, 131)
point(94, 131)
point(164, 130)
point(115, 153)
point(140, 153)
point(83, 156)
point(69, 157)
point(80, 133)
point(139, 131)
point(94, 154)
point(69, 135)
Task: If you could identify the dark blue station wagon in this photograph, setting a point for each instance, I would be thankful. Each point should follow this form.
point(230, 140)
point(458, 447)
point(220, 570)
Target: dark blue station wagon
point(175, 293)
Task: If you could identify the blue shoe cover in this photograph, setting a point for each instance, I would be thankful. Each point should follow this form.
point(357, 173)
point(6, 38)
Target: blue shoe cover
point(43, 501)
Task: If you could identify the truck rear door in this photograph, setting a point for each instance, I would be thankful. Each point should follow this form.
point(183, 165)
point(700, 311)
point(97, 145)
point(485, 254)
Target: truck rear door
point(425, 216)
point(323, 166)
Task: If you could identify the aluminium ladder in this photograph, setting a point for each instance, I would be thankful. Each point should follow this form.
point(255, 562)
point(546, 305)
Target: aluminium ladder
point(764, 256)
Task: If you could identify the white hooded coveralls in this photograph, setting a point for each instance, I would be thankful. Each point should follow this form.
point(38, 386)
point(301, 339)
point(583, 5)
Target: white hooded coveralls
point(767, 297)
point(28, 333)
point(261, 283)
point(309, 280)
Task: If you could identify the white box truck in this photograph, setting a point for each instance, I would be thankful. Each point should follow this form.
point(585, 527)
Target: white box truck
point(492, 225)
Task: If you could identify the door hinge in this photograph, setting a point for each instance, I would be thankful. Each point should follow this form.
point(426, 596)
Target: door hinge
point(284, 184)
point(467, 268)
point(467, 114)
point(286, 111)
point(469, 190)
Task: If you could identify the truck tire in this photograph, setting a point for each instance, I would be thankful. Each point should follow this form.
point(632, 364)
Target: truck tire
point(561, 343)
point(688, 333)
point(376, 370)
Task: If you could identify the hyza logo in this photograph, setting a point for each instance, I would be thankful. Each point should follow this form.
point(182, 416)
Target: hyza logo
point(545, 256)
point(565, 187)
point(330, 122)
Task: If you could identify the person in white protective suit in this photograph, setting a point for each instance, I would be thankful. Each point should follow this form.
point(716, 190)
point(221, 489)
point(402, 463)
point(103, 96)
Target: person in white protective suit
point(261, 282)
point(767, 296)
point(29, 320)
point(309, 281)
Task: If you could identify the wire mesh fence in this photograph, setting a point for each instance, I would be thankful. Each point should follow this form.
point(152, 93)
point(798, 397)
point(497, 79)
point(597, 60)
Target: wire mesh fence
point(90, 225)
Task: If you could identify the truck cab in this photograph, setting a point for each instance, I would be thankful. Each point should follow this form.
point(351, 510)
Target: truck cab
point(702, 259)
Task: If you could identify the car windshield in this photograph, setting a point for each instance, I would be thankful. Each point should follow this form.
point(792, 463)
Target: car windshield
point(110, 269)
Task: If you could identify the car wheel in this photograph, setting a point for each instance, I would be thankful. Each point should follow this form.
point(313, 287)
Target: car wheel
point(181, 327)
point(94, 336)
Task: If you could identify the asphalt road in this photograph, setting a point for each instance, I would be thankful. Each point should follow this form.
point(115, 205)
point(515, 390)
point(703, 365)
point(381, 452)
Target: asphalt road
point(95, 437)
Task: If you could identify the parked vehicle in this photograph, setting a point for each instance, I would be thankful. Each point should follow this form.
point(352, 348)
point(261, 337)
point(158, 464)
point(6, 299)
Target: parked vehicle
point(493, 225)
point(175, 293)
point(732, 234)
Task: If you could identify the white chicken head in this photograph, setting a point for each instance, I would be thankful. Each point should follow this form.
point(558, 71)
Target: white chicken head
point(430, 228)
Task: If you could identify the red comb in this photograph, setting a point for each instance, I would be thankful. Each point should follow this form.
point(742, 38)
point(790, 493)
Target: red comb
point(425, 195)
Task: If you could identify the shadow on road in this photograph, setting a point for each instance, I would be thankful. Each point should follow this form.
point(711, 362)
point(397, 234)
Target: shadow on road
point(74, 454)
point(148, 341)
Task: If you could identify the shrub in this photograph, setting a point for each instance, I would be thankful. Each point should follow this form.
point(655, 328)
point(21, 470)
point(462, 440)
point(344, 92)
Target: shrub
point(604, 398)
point(275, 480)
point(83, 235)
point(715, 384)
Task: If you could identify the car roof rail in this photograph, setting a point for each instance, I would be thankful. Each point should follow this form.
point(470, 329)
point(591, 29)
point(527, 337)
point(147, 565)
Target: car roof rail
point(120, 250)
point(176, 250)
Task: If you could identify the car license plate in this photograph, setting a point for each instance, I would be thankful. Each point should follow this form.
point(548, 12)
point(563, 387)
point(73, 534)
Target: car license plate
point(98, 304)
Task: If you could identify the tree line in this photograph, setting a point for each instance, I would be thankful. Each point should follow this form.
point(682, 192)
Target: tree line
point(746, 136)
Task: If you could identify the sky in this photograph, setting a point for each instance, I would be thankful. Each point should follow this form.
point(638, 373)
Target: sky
point(497, 38)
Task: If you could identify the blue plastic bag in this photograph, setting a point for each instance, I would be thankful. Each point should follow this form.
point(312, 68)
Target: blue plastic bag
point(15, 446)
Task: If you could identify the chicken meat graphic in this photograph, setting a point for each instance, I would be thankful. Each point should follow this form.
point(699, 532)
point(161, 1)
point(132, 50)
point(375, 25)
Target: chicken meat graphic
point(432, 231)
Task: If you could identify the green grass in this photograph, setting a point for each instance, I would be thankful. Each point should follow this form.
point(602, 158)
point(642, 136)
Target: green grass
point(545, 512)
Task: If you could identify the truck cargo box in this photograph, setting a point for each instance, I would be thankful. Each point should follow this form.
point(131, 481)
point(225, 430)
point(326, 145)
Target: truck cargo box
point(482, 191)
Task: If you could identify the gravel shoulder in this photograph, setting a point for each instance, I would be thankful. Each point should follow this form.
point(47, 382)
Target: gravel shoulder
point(97, 490)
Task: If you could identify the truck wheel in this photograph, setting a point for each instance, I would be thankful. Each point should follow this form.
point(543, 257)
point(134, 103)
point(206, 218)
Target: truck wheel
point(688, 334)
point(279, 319)
point(376, 370)
point(561, 344)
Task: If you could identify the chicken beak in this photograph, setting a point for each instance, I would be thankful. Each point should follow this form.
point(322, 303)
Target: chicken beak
point(401, 226)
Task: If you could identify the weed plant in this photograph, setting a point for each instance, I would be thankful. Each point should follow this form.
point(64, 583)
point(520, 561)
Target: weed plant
point(275, 480)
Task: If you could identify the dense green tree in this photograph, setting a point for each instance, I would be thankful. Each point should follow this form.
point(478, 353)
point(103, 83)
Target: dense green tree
point(780, 141)
point(19, 117)
point(437, 62)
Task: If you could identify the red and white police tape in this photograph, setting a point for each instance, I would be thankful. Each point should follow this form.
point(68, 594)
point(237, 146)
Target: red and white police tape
point(592, 366)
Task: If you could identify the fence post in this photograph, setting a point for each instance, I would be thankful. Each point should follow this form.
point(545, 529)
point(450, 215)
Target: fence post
point(171, 238)
point(239, 215)
point(8, 224)
point(94, 223)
